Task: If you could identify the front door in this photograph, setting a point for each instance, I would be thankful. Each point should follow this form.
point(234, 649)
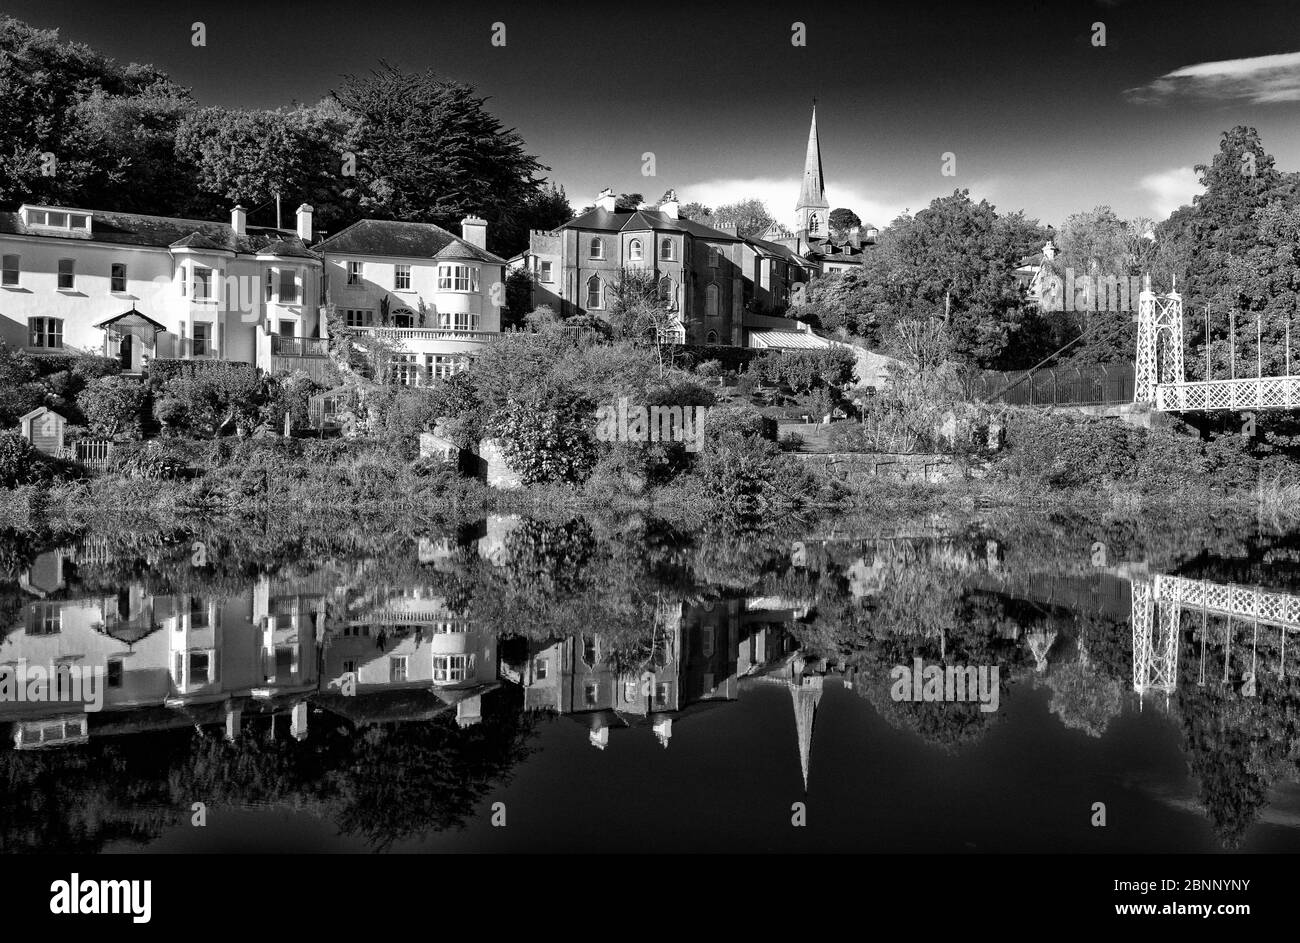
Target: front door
point(126, 353)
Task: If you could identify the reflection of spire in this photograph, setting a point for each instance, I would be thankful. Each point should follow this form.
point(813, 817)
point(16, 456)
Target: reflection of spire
point(1040, 643)
point(599, 737)
point(664, 730)
point(805, 696)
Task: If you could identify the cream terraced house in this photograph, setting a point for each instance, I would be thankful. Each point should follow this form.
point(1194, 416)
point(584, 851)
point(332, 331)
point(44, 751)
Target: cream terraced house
point(136, 287)
point(435, 295)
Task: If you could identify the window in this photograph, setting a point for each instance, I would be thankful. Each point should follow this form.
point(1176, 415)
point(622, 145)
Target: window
point(715, 256)
point(629, 690)
point(117, 277)
point(47, 619)
point(198, 612)
point(666, 249)
point(44, 332)
point(405, 371)
point(457, 278)
point(58, 220)
point(814, 223)
point(440, 366)
point(67, 274)
point(661, 693)
point(634, 250)
point(9, 271)
point(541, 668)
point(401, 278)
point(358, 317)
point(354, 273)
point(597, 248)
point(114, 672)
point(593, 292)
point(202, 283)
point(544, 270)
point(202, 339)
point(713, 337)
point(452, 667)
point(349, 666)
point(288, 286)
point(711, 301)
point(397, 668)
point(270, 285)
point(706, 641)
point(592, 694)
point(285, 328)
point(666, 292)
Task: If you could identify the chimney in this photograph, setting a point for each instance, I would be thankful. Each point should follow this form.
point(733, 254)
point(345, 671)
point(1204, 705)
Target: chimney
point(473, 229)
point(855, 237)
point(670, 206)
point(238, 220)
point(1049, 250)
point(304, 222)
point(606, 201)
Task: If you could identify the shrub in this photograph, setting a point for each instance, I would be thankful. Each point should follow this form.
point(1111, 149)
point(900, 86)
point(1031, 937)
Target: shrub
point(546, 443)
point(21, 464)
point(113, 405)
point(709, 370)
point(218, 395)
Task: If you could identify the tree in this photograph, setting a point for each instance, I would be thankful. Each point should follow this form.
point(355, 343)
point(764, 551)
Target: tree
point(842, 220)
point(430, 151)
point(750, 217)
point(696, 211)
point(107, 126)
point(640, 313)
point(546, 210)
point(519, 297)
point(251, 157)
point(547, 442)
point(841, 301)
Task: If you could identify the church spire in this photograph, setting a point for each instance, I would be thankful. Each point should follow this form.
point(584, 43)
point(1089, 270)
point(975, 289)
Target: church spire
point(812, 210)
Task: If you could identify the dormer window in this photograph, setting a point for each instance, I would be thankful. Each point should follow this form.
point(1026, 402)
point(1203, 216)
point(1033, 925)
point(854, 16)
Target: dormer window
point(57, 219)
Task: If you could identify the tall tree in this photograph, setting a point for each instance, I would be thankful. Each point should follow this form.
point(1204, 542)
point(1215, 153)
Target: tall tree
point(842, 220)
point(431, 151)
point(750, 217)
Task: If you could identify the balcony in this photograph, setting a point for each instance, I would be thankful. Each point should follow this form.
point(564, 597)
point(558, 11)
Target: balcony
point(425, 334)
point(299, 346)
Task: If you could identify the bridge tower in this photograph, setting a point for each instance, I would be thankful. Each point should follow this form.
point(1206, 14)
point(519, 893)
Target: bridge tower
point(1159, 343)
point(1156, 625)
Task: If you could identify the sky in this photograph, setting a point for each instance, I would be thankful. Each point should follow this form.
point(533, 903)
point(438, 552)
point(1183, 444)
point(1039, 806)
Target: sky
point(1037, 115)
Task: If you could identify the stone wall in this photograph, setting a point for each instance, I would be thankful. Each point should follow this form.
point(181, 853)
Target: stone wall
point(859, 466)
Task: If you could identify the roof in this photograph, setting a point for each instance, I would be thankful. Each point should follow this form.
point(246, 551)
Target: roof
point(634, 220)
point(164, 232)
point(787, 340)
point(780, 251)
point(114, 318)
point(390, 237)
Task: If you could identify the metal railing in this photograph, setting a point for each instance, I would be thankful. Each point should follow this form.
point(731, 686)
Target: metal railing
point(1098, 385)
point(299, 346)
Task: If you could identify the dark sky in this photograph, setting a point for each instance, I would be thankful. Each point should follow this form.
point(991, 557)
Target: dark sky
point(1037, 116)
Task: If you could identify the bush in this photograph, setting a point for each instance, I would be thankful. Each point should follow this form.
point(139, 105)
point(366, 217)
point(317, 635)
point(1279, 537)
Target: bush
point(546, 443)
point(217, 395)
point(21, 464)
point(113, 405)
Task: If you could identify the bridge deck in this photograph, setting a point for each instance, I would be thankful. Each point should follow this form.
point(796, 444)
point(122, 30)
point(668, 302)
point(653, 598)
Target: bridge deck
point(1254, 393)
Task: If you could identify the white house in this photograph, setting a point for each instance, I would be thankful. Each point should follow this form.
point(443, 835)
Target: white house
point(135, 287)
point(436, 295)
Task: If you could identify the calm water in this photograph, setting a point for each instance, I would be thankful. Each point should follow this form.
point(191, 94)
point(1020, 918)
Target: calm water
point(515, 684)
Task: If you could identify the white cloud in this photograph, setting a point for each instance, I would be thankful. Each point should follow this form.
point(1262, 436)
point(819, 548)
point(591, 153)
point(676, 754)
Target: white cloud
point(1170, 189)
point(1259, 80)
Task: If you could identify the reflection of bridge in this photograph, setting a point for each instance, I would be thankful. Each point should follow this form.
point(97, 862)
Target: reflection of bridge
point(1158, 608)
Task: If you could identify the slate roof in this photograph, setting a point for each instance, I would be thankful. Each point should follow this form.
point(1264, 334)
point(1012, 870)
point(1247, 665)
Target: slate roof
point(389, 237)
point(605, 221)
point(163, 232)
point(780, 251)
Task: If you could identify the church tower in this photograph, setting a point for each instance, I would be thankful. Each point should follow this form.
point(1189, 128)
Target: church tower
point(812, 212)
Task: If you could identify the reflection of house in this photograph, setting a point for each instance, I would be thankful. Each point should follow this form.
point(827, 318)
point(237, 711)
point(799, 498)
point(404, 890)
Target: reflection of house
point(694, 661)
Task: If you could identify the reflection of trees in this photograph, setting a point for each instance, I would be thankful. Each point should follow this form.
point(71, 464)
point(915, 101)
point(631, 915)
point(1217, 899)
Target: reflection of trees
point(383, 783)
point(1083, 696)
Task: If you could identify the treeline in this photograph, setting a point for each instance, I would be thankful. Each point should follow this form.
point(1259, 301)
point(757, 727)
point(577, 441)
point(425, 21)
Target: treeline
point(82, 130)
